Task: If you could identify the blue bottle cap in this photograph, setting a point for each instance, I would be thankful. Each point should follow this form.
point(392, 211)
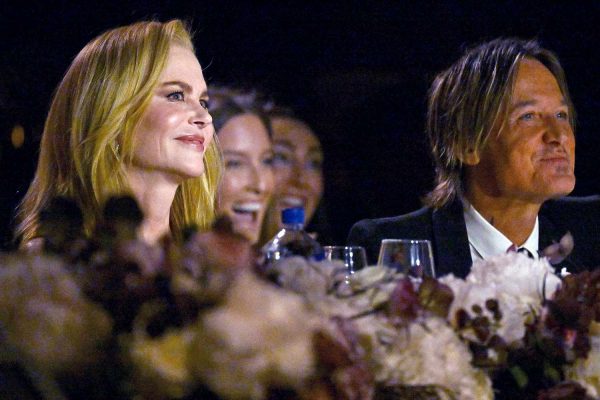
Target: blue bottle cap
point(294, 215)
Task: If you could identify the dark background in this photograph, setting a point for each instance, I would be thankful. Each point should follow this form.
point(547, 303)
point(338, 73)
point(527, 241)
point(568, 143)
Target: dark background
point(357, 71)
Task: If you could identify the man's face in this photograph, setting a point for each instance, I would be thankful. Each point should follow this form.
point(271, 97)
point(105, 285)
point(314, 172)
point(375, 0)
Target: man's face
point(532, 157)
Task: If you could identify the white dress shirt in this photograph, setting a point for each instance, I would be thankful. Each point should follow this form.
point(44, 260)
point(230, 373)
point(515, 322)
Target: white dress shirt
point(486, 241)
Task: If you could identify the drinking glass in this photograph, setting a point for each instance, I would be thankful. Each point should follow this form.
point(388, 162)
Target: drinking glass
point(412, 257)
point(353, 257)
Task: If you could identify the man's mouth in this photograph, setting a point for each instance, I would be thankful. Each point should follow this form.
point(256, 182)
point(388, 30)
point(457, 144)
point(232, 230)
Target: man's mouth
point(558, 160)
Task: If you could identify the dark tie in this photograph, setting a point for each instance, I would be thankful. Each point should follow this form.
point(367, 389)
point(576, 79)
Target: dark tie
point(521, 250)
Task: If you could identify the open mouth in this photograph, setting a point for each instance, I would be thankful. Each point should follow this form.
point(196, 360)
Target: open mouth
point(247, 211)
point(292, 201)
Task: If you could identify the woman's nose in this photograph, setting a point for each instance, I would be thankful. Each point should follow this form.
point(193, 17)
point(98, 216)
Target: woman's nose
point(201, 116)
point(258, 180)
point(298, 176)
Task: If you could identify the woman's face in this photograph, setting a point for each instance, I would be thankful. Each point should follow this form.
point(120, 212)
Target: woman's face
point(176, 128)
point(248, 179)
point(297, 164)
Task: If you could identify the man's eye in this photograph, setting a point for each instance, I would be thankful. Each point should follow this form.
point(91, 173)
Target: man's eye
point(562, 115)
point(176, 96)
point(527, 117)
point(204, 104)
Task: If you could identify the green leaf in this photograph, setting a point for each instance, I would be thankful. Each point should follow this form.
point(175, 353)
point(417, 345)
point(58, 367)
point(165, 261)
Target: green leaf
point(551, 372)
point(520, 376)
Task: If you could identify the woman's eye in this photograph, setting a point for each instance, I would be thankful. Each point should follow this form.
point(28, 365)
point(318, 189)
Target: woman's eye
point(268, 160)
point(176, 96)
point(280, 159)
point(562, 115)
point(232, 163)
point(315, 164)
point(204, 104)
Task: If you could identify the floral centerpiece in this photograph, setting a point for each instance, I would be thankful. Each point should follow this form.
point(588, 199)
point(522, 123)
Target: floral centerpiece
point(111, 317)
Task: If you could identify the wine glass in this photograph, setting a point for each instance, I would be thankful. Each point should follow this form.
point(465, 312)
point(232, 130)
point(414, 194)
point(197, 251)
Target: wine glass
point(410, 256)
point(353, 257)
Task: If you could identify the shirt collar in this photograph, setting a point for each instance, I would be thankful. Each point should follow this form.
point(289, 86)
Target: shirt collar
point(489, 241)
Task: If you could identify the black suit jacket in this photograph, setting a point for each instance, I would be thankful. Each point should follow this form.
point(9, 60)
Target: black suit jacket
point(445, 228)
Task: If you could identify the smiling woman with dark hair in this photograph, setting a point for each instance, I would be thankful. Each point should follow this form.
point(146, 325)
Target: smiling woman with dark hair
point(298, 169)
point(244, 135)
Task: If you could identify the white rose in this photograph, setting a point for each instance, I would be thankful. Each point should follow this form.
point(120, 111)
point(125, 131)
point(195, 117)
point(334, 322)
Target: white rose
point(261, 336)
point(424, 353)
point(587, 371)
point(518, 283)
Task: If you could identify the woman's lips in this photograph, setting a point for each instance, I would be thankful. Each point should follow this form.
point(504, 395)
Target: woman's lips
point(247, 212)
point(194, 141)
point(292, 201)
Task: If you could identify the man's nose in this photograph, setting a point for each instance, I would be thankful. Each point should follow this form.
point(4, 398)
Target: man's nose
point(556, 131)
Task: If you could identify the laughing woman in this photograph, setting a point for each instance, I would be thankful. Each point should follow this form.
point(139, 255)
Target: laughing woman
point(245, 140)
point(299, 182)
point(130, 117)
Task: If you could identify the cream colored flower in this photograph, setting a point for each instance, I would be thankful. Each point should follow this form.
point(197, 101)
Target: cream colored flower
point(160, 365)
point(309, 278)
point(45, 315)
point(260, 337)
point(517, 282)
point(424, 353)
point(587, 371)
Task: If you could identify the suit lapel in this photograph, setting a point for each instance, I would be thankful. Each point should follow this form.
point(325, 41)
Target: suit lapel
point(451, 244)
point(549, 234)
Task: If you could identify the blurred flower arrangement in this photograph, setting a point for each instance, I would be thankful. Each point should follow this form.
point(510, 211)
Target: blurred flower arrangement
point(112, 317)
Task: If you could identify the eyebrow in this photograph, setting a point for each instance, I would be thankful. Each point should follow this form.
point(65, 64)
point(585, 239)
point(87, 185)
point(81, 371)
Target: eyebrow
point(285, 143)
point(233, 153)
point(289, 144)
point(527, 103)
point(185, 87)
point(241, 153)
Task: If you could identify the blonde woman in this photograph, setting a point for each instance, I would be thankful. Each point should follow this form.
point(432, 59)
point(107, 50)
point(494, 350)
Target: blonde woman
point(130, 117)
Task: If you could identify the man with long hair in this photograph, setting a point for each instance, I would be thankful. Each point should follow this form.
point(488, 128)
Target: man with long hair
point(501, 128)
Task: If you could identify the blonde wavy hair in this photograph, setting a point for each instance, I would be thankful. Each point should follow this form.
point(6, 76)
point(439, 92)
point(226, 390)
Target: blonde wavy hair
point(88, 134)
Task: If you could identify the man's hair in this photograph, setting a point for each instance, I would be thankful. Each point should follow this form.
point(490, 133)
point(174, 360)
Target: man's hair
point(88, 134)
point(468, 101)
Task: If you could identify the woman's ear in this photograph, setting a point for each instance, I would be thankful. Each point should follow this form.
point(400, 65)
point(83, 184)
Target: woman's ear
point(470, 157)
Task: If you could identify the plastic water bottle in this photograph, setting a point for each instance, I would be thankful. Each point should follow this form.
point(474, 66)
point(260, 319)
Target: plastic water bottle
point(292, 240)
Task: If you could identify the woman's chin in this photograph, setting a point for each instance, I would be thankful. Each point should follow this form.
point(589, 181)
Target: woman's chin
point(248, 231)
